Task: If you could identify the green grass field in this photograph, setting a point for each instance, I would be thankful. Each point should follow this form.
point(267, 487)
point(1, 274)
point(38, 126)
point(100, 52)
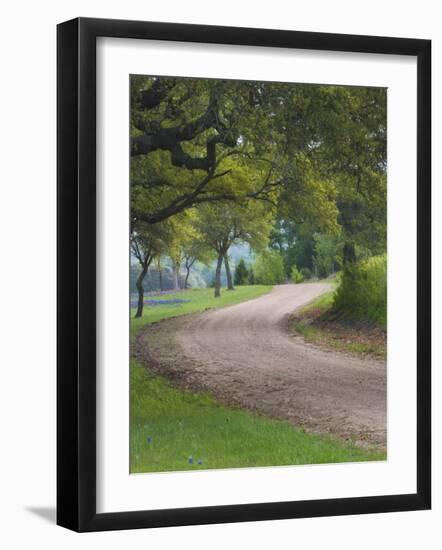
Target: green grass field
point(199, 300)
point(172, 429)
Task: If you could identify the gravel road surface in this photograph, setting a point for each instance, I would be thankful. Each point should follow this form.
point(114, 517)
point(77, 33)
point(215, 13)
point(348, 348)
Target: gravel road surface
point(245, 356)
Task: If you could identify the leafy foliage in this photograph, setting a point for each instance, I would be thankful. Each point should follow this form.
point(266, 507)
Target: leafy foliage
point(306, 273)
point(227, 223)
point(269, 268)
point(241, 273)
point(328, 254)
point(299, 169)
point(362, 293)
point(296, 275)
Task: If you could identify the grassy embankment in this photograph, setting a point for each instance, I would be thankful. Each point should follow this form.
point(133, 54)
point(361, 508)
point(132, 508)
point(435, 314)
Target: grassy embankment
point(353, 317)
point(172, 429)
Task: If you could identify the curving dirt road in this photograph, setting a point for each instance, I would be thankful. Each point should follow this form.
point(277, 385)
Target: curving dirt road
point(244, 356)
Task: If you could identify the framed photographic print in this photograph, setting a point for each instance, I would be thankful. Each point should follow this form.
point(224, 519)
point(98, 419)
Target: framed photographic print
point(243, 274)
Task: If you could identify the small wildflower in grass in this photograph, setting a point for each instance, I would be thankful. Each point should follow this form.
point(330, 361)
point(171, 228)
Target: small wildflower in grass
point(200, 461)
point(190, 460)
point(149, 439)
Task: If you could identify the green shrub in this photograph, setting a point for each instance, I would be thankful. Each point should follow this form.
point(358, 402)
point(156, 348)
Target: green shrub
point(269, 268)
point(296, 275)
point(241, 273)
point(328, 254)
point(362, 292)
point(306, 273)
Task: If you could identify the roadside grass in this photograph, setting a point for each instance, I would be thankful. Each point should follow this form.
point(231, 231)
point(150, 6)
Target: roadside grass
point(173, 429)
point(182, 424)
point(320, 325)
point(200, 299)
point(323, 302)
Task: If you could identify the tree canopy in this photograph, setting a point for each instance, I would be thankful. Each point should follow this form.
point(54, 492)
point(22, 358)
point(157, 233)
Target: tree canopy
point(215, 162)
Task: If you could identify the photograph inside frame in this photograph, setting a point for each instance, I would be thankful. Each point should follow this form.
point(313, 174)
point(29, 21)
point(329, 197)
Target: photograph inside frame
point(258, 274)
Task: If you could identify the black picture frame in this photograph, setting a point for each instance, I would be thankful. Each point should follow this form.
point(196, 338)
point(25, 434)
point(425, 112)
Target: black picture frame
point(76, 274)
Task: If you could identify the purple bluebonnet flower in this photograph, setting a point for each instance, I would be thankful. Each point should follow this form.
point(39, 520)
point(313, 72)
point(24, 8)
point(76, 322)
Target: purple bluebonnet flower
point(149, 439)
point(161, 302)
point(164, 292)
point(200, 461)
point(190, 460)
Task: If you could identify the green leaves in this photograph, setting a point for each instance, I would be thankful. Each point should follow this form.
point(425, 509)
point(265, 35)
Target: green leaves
point(229, 156)
point(269, 268)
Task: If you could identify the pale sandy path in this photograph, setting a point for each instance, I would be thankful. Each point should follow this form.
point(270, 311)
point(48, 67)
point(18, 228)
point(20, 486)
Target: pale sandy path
point(244, 355)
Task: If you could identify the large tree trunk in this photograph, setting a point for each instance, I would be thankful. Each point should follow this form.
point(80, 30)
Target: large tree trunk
point(218, 275)
point(228, 273)
point(140, 290)
point(349, 254)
